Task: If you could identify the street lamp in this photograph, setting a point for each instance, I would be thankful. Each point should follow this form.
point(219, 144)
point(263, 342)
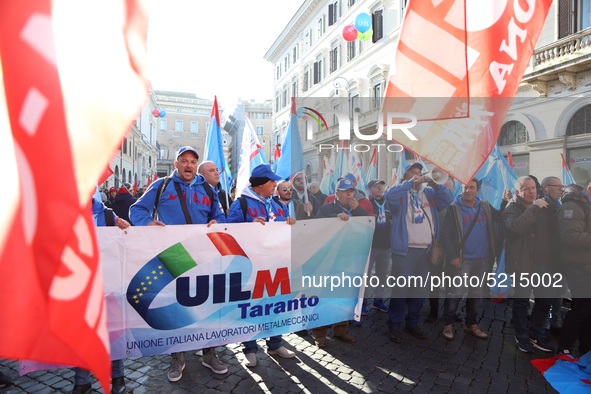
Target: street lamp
point(343, 83)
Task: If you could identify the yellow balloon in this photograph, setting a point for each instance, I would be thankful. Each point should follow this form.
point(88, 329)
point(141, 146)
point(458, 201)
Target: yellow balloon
point(365, 36)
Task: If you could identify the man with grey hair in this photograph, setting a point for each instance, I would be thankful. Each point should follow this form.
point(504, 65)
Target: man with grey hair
point(314, 189)
point(528, 252)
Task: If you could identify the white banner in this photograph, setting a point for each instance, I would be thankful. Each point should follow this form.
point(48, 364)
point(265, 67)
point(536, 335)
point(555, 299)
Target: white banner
point(186, 287)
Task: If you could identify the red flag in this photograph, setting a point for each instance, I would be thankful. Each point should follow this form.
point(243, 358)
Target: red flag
point(155, 177)
point(471, 72)
point(149, 180)
point(135, 188)
point(67, 121)
point(106, 174)
point(276, 153)
point(510, 159)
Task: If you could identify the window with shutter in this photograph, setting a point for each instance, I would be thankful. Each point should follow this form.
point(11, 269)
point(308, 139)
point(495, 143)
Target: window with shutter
point(377, 25)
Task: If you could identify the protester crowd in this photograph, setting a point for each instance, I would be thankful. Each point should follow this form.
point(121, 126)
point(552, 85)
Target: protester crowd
point(544, 229)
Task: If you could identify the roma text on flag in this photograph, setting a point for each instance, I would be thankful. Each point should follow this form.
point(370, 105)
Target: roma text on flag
point(71, 82)
point(458, 66)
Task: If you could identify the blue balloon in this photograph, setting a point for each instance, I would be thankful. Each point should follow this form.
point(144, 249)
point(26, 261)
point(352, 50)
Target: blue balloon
point(162, 113)
point(363, 22)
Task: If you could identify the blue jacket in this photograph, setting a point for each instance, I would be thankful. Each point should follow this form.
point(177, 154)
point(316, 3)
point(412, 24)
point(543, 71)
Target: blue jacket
point(170, 211)
point(478, 247)
point(439, 198)
point(98, 212)
point(255, 207)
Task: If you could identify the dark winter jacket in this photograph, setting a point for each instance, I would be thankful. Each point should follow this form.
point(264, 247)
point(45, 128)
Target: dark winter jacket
point(121, 205)
point(574, 229)
point(381, 235)
point(527, 238)
point(332, 210)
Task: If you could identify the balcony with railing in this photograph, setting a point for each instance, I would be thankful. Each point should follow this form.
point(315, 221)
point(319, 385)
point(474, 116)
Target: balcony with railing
point(569, 54)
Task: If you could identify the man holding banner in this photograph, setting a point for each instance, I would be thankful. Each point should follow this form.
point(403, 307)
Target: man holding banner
point(257, 205)
point(344, 207)
point(182, 198)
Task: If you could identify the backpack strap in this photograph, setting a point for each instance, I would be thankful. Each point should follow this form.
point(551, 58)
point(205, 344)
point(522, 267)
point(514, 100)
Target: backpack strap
point(209, 191)
point(161, 188)
point(179, 193)
point(242, 200)
point(109, 217)
point(182, 201)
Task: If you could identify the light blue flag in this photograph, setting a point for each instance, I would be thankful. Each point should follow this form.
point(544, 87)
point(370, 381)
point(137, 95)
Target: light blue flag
point(372, 167)
point(292, 154)
point(401, 166)
point(495, 176)
point(567, 176)
point(214, 150)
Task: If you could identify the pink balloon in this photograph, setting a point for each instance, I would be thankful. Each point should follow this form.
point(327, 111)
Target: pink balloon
point(350, 33)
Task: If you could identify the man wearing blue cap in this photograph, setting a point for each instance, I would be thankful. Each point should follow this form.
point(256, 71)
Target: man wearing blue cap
point(415, 225)
point(181, 198)
point(358, 194)
point(344, 206)
point(257, 205)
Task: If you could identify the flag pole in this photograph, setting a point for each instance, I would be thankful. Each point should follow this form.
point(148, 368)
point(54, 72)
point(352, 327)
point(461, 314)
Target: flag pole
point(225, 180)
point(306, 198)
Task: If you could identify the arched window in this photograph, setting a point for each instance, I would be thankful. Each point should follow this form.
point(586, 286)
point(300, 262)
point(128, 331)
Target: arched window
point(513, 132)
point(116, 176)
point(580, 123)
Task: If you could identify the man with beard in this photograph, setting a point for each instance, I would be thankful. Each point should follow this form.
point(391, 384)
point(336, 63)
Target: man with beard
point(181, 198)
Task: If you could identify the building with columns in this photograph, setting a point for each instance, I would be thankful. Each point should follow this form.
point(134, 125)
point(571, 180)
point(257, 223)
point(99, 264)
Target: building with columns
point(137, 157)
point(186, 123)
point(313, 62)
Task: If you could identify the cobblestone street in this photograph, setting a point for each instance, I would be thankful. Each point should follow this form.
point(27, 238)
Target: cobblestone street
point(373, 364)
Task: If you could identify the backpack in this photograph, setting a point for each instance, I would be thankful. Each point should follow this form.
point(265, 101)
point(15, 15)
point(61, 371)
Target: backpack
point(243, 207)
point(109, 217)
point(183, 203)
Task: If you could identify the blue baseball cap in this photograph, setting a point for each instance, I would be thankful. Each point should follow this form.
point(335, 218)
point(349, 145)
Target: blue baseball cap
point(350, 177)
point(345, 184)
point(187, 149)
point(413, 165)
point(264, 171)
point(374, 182)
